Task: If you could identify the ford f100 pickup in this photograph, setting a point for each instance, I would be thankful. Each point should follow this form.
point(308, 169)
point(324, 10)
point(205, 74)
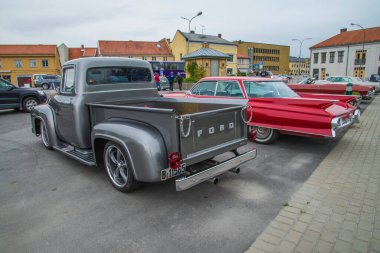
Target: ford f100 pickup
point(109, 113)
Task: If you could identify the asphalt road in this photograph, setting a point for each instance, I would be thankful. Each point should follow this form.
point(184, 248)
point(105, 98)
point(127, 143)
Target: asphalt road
point(51, 203)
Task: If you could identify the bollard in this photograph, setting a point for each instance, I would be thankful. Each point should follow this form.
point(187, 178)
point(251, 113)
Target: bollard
point(349, 89)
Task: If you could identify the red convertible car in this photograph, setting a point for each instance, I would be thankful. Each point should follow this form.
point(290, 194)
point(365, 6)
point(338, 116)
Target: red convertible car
point(308, 86)
point(273, 108)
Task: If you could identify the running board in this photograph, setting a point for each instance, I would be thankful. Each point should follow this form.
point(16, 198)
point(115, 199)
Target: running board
point(85, 156)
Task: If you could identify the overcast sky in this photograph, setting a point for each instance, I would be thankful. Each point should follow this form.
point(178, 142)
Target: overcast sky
point(76, 22)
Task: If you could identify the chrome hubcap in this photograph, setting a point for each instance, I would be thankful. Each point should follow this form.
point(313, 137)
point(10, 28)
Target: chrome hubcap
point(263, 133)
point(116, 166)
point(30, 104)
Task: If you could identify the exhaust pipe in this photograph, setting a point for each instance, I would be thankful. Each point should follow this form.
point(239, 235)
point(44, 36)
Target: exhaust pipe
point(235, 170)
point(213, 180)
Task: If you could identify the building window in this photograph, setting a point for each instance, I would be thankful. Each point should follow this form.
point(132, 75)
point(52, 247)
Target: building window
point(340, 56)
point(316, 57)
point(165, 58)
point(153, 58)
point(18, 64)
point(32, 63)
point(240, 61)
point(45, 63)
point(6, 77)
point(229, 71)
point(323, 57)
point(230, 58)
point(144, 58)
point(332, 57)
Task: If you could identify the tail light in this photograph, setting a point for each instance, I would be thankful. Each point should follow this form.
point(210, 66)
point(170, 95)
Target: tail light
point(174, 160)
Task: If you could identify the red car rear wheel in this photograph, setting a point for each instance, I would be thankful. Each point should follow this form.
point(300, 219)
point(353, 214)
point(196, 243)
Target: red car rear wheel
point(266, 135)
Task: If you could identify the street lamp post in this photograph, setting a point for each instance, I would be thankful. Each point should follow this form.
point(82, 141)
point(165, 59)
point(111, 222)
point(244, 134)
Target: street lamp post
point(362, 58)
point(189, 20)
point(299, 57)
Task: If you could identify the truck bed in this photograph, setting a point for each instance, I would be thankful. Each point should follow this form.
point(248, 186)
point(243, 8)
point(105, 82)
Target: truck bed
point(199, 129)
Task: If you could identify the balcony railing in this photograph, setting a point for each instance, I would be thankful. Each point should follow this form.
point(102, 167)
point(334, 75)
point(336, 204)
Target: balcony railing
point(359, 61)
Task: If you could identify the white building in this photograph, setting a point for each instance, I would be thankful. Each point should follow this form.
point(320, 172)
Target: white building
point(343, 54)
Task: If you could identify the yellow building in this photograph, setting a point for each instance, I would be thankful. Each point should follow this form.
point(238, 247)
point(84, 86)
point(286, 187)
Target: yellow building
point(186, 43)
point(18, 63)
point(269, 57)
point(299, 66)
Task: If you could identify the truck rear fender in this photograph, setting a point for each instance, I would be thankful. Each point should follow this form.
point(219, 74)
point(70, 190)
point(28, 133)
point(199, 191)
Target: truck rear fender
point(143, 144)
point(43, 114)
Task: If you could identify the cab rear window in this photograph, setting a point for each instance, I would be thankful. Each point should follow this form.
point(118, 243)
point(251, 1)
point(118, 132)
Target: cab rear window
point(113, 75)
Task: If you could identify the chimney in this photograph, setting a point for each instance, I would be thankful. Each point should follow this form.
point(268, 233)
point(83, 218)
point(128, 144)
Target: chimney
point(343, 30)
point(205, 45)
point(192, 32)
point(82, 47)
point(219, 35)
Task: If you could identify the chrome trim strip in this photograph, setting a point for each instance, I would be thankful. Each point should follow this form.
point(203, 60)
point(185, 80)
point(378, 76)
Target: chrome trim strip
point(188, 182)
point(105, 91)
point(282, 129)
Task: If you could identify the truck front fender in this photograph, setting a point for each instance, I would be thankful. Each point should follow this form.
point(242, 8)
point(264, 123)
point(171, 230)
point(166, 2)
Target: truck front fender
point(141, 142)
point(43, 114)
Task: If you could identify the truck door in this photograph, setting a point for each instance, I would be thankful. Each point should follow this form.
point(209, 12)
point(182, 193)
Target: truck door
point(64, 106)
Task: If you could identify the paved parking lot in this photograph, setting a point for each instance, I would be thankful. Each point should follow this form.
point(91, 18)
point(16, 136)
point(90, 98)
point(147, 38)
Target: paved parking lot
point(51, 203)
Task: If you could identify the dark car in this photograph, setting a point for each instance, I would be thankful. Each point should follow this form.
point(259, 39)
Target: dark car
point(374, 78)
point(12, 97)
point(47, 81)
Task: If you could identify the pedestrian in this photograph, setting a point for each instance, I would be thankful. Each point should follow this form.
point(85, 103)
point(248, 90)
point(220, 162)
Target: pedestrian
point(171, 80)
point(157, 80)
point(179, 80)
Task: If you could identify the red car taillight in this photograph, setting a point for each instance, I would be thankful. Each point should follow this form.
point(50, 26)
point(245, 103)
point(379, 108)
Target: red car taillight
point(174, 160)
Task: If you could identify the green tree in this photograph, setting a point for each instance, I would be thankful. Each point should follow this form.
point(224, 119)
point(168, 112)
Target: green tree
point(196, 72)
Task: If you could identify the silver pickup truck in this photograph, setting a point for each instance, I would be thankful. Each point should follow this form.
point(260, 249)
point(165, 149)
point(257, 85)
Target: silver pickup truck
point(109, 113)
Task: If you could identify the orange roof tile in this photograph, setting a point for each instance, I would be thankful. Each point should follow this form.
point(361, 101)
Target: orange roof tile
point(28, 49)
point(242, 56)
point(75, 53)
point(125, 48)
point(89, 51)
point(351, 37)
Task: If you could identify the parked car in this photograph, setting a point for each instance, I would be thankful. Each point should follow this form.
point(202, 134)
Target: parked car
point(374, 78)
point(164, 83)
point(35, 77)
point(308, 85)
point(47, 81)
point(125, 126)
point(348, 79)
point(12, 97)
point(273, 108)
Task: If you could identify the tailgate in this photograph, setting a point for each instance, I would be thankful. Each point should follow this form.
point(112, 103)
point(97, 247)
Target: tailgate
point(207, 134)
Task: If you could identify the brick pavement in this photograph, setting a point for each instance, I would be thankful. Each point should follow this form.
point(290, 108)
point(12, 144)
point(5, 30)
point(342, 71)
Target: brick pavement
point(338, 208)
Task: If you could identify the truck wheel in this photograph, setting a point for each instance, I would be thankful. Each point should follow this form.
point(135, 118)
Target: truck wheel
point(29, 103)
point(45, 86)
point(118, 168)
point(44, 136)
point(266, 135)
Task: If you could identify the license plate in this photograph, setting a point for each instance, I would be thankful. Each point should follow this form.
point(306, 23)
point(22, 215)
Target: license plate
point(169, 172)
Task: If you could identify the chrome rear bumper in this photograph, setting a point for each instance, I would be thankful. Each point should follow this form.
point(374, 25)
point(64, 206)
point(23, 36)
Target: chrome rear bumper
point(338, 128)
point(190, 181)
